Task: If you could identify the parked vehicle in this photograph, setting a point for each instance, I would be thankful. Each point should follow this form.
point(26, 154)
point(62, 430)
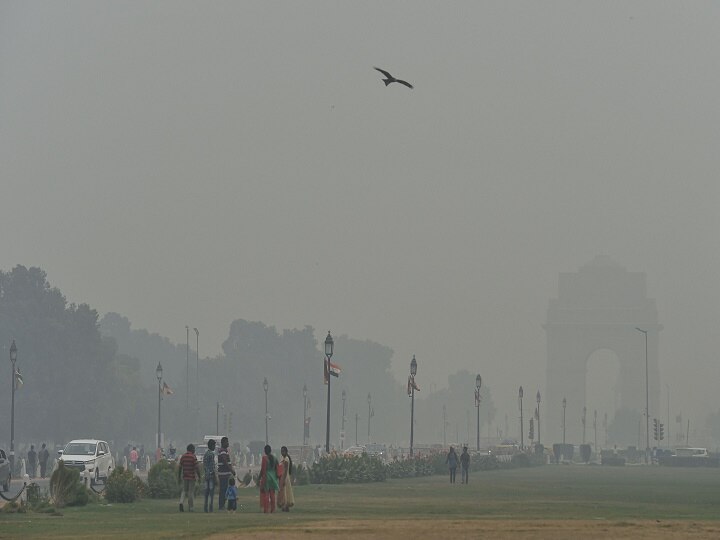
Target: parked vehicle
point(355, 451)
point(5, 475)
point(692, 452)
point(89, 455)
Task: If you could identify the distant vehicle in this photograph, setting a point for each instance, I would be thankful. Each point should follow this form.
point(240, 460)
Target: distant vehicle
point(200, 449)
point(374, 449)
point(4, 470)
point(692, 452)
point(89, 455)
point(355, 451)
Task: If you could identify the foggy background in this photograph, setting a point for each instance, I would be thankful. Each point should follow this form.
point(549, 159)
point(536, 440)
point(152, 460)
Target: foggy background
point(191, 164)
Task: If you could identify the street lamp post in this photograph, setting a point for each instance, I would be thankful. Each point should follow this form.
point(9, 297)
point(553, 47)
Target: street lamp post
point(522, 435)
point(537, 414)
point(329, 344)
point(647, 398)
point(304, 414)
point(187, 367)
point(265, 387)
point(584, 422)
point(564, 407)
point(413, 371)
point(13, 359)
point(478, 383)
point(197, 379)
point(445, 423)
point(369, 414)
point(342, 429)
point(595, 428)
point(357, 418)
point(158, 373)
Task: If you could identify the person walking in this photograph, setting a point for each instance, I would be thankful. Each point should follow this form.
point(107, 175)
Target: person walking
point(231, 495)
point(286, 499)
point(134, 456)
point(225, 470)
point(32, 461)
point(452, 462)
point(210, 470)
point(464, 466)
point(268, 481)
point(43, 457)
point(188, 473)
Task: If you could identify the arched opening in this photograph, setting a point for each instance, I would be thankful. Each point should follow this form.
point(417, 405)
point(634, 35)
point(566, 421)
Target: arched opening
point(602, 393)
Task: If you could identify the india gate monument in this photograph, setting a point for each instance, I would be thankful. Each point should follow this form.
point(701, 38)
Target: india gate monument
point(600, 306)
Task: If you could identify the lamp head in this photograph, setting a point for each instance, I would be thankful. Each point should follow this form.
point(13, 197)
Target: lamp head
point(478, 381)
point(265, 384)
point(158, 371)
point(413, 366)
point(538, 396)
point(564, 403)
point(329, 344)
point(520, 393)
point(13, 352)
point(344, 394)
point(304, 390)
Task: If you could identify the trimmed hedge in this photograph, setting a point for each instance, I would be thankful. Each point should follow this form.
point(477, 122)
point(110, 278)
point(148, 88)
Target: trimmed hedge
point(348, 469)
point(124, 487)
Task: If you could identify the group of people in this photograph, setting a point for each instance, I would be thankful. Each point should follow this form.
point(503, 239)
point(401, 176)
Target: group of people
point(452, 461)
point(218, 472)
point(35, 459)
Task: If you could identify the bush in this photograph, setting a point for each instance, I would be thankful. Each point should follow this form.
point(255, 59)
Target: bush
point(338, 469)
point(301, 475)
point(66, 489)
point(162, 480)
point(520, 460)
point(411, 467)
point(563, 452)
point(484, 463)
point(124, 487)
point(585, 452)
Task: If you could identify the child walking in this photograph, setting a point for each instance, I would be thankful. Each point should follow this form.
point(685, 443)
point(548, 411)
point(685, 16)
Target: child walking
point(231, 495)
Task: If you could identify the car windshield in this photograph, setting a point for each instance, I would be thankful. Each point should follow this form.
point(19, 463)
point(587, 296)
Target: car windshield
point(80, 449)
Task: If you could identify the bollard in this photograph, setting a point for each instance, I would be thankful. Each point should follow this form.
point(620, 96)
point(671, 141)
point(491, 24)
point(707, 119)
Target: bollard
point(23, 469)
point(147, 463)
point(125, 463)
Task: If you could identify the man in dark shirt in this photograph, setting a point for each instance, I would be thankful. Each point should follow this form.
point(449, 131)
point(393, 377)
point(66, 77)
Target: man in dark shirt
point(188, 473)
point(225, 469)
point(465, 465)
point(32, 461)
point(43, 459)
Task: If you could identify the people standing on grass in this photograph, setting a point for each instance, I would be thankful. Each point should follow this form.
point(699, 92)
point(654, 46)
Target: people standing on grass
point(32, 461)
point(134, 456)
point(268, 481)
point(231, 495)
point(465, 466)
point(225, 470)
point(210, 470)
point(188, 473)
point(286, 499)
point(452, 462)
point(43, 457)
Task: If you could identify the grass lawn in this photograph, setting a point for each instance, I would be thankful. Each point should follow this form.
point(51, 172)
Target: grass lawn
point(620, 497)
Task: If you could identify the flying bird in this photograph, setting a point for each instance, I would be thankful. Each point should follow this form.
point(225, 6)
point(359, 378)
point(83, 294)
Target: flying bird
point(390, 79)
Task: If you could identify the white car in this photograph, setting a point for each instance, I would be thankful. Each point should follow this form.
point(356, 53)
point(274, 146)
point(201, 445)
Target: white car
point(89, 455)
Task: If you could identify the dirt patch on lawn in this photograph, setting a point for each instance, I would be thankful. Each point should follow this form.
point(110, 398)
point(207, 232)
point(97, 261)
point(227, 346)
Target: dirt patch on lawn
point(485, 528)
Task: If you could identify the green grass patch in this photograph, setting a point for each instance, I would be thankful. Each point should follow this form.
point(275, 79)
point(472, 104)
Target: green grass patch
point(618, 494)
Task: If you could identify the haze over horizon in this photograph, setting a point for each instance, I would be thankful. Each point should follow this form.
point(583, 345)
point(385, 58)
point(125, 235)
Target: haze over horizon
point(191, 164)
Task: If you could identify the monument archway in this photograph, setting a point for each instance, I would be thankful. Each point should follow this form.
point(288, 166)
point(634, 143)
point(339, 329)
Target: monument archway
point(599, 307)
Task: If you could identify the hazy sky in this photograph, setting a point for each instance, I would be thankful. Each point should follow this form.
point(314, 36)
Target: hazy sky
point(196, 162)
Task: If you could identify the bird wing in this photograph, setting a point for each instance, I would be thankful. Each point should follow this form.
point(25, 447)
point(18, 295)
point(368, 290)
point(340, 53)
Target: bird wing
point(404, 82)
point(385, 73)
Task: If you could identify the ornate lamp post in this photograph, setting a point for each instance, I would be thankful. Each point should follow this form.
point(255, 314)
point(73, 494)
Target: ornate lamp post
point(595, 428)
point(13, 359)
point(369, 414)
point(564, 407)
point(537, 414)
point(265, 387)
point(304, 414)
point(478, 383)
point(329, 344)
point(584, 422)
point(342, 429)
point(413, 371)
point(647, 399)
point(522, 435)
point(197, 380)
point(158, 374)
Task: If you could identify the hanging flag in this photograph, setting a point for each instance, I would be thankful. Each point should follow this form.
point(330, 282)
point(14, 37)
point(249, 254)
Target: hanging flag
point(412, 385)
point(334, 370)
point(18, 379)
point(166, 390)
